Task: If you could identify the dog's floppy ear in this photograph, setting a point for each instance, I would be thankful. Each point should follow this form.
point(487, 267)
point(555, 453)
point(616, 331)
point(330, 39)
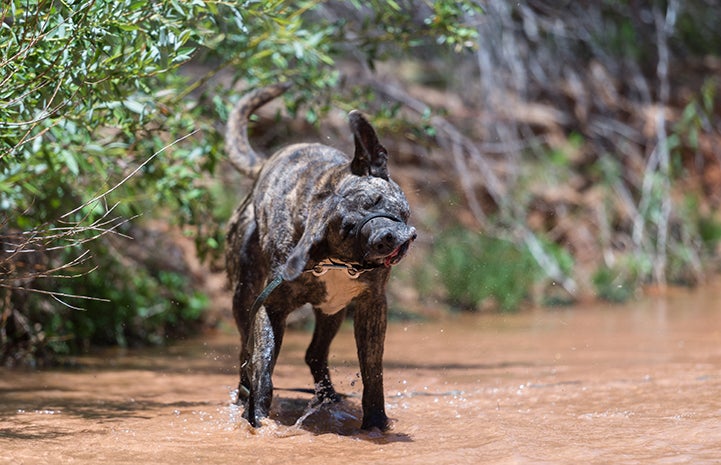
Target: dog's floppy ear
point(299, 256)
point(371, 158)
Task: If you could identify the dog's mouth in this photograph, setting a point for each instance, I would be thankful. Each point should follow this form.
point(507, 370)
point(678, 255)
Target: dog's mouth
point(398, 254)
point(387, 242)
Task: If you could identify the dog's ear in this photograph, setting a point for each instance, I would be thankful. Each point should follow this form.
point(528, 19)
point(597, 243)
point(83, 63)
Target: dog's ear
point(371, 158)
point(299, 256)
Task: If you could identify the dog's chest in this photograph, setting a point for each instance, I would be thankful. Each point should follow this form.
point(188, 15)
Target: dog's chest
point(340, 290)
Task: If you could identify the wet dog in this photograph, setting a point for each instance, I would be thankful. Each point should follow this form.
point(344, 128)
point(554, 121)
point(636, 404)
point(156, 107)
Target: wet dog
point(319, 227)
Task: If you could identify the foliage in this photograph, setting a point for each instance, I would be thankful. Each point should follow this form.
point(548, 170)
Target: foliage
point(476, 269)
point(100, 123)
point(86, 94)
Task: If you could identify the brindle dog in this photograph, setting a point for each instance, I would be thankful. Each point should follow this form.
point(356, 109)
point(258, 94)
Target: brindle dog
point(325, 228)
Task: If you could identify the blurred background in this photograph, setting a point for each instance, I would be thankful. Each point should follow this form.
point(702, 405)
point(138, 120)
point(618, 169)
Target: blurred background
point(553, 152)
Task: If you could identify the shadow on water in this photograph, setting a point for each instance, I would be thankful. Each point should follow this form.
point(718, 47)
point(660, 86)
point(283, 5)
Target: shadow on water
point(338, 418)
point(97, 410)
point(10, 433)
point(215, 358)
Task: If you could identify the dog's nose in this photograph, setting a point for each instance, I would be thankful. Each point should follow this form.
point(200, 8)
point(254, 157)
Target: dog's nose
point(386, 243)
point(389, 240)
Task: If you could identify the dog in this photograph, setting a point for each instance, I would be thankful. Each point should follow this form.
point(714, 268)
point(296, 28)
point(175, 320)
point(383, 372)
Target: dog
point(321, 228)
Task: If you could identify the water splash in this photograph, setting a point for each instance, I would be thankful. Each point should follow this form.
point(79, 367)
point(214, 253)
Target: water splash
point(332, 413)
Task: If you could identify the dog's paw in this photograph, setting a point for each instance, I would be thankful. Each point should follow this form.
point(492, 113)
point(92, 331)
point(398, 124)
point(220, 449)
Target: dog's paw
point(378, 420)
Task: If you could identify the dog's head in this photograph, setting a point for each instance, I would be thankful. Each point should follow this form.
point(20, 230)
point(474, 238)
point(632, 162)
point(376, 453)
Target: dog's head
point(369, 226)
point(365, 222)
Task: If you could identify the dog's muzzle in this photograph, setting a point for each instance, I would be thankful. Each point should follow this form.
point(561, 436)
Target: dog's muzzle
point(386, 245)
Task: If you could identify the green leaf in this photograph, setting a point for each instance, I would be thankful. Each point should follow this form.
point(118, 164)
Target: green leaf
point(134, 106)
point(70, 161)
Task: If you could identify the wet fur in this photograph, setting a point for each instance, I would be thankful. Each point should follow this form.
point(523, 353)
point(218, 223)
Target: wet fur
point(306, 200)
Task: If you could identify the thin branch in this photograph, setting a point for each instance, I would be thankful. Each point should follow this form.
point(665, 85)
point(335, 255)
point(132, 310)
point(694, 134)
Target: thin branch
point(72, 307)
point(53, 293)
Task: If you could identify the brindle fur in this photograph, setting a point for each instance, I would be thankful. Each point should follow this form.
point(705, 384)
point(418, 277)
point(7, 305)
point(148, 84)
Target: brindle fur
point(306, 200)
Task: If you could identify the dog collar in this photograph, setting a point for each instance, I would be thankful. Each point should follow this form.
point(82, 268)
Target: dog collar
point(353, 270)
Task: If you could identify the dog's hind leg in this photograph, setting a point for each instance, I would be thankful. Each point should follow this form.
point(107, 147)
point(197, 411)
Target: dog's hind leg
point(247, 273)
point(261, 351)
point(263, 346)
point(241, 312)
point(326, 327)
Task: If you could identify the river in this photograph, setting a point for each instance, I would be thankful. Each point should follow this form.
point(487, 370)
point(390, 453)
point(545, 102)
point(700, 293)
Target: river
point(623, 384)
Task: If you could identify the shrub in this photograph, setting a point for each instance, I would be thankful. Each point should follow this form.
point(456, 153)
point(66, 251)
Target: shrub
point(474, 269)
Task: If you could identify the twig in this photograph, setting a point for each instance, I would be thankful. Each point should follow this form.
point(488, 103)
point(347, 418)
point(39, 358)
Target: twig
point(53, 293)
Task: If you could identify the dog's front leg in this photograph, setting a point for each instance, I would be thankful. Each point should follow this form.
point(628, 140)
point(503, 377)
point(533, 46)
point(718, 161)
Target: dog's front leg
point(370, 319)
point(326, 327)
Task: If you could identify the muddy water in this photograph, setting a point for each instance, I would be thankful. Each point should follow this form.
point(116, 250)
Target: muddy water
point(592, 384)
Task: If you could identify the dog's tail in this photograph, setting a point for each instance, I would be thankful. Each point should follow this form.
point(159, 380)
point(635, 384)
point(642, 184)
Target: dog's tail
point(241, 154)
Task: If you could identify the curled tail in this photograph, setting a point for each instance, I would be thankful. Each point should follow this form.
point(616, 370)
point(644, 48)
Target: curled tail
point(241, 154)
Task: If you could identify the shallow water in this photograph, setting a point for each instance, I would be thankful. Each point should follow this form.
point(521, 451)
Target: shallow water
point(592, 384)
